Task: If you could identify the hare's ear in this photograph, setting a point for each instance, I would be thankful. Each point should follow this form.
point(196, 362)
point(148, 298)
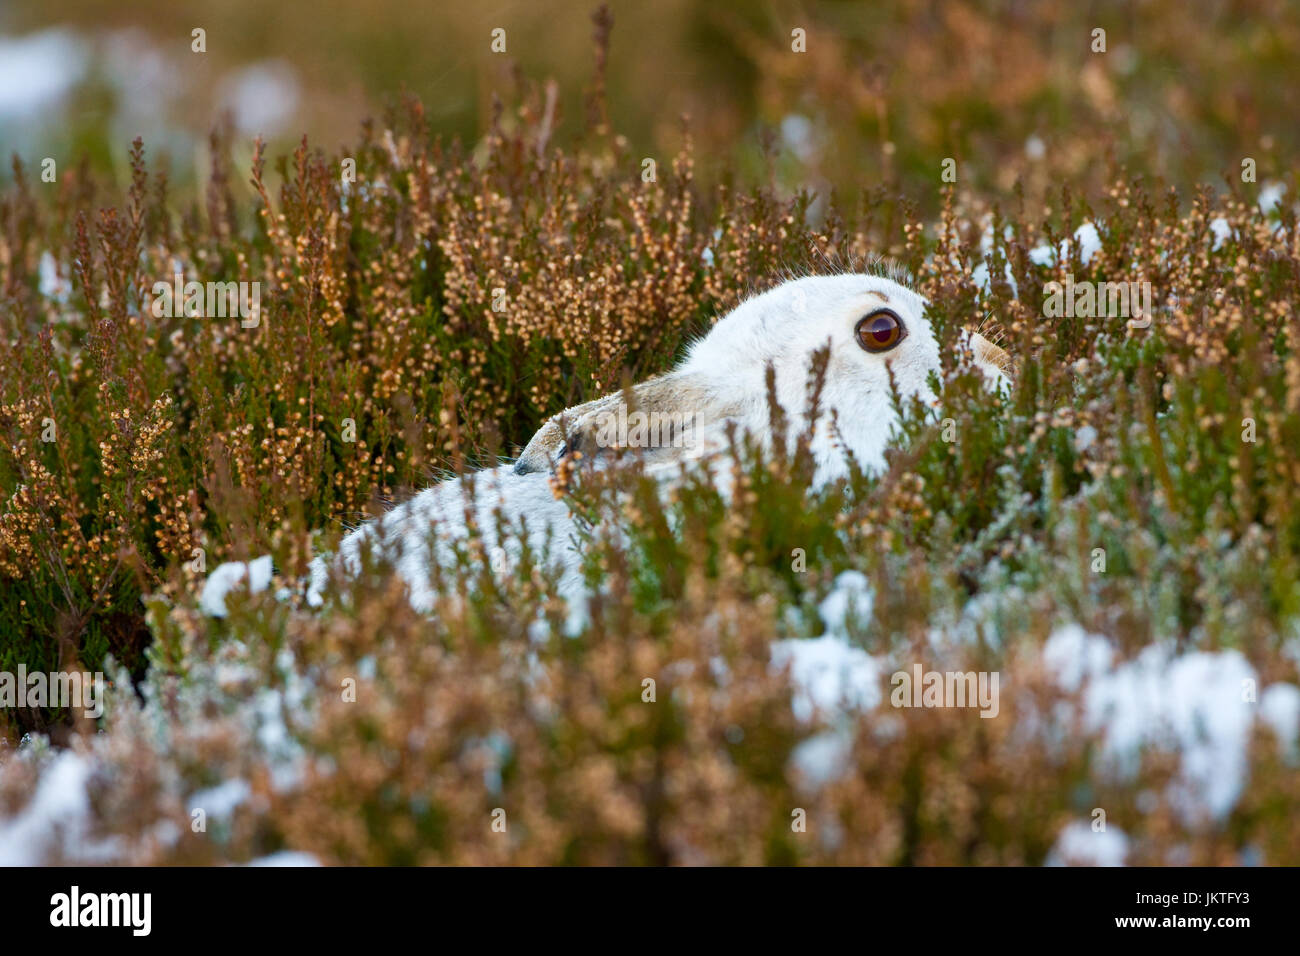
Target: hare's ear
point(993, 360)
point(657, 421)
point(549, 444)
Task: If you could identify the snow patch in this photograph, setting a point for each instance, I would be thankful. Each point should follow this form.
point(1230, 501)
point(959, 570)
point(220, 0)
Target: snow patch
point(221, 801)
point(285, 858)
point(850, 597)
point(38, 71)
point(55, 823)
point(1078, 844)
point(1194, 703)
point(829, 675)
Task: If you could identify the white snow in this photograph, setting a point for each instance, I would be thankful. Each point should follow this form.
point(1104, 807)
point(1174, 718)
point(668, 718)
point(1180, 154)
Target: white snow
point(1084, 438)
point(1087, 236)
point(1270, 194)
point(849, 597)
point(227, 576)
point(1089, 241)
point(52, 285)
point(822, 757)
point(1279, 707)
point(38, 71)
point(54, 823)
point(829, 674)
point(1221, 231)
point(262, 96)
point(1078, 844)
point(1195, 703)
point(221, 801)
point(799, 135)
point(286, 858)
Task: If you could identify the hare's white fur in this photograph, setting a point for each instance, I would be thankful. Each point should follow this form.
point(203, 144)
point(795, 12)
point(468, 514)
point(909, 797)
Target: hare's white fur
point(720, 381)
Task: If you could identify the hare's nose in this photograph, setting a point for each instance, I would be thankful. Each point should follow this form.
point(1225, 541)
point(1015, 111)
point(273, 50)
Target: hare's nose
point(524, 468)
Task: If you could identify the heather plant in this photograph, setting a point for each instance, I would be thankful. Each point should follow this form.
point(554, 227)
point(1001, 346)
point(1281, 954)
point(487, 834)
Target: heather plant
point(424, 307)
point(876, 94)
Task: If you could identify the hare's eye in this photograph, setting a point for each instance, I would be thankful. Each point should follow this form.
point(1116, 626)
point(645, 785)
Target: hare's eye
point(880, 331)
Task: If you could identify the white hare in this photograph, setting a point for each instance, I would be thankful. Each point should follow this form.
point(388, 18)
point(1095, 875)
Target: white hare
point(876, 331)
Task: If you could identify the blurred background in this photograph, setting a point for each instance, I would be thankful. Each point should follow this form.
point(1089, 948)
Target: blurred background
point(1012, 90)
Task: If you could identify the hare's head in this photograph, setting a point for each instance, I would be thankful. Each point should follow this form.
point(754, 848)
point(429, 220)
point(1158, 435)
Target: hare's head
point(876, 339)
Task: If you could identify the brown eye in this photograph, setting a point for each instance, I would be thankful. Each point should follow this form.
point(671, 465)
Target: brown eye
point(880, 331)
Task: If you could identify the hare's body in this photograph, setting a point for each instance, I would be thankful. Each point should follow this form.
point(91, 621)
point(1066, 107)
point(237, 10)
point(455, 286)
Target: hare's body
point(497, 504)
point(878, 340)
